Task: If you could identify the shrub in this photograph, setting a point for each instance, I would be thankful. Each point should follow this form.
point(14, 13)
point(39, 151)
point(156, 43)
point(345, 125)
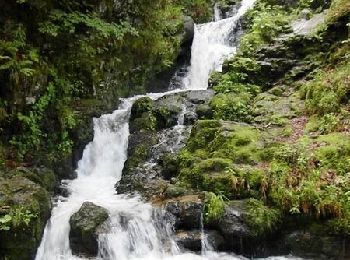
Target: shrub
point(214, 207)
point(260, 218)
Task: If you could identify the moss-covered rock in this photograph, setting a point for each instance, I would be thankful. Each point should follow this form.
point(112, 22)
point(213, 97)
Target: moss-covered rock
point(85, 225)
point(24, 208)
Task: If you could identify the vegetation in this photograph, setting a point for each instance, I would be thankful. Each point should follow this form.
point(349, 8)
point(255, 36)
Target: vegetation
point(262, 219)
point(63, 53)
point(214, 207)
point(292, 158)
point(18, 217)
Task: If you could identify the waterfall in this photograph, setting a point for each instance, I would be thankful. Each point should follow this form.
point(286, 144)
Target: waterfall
point(136, 230)
point(211, 46)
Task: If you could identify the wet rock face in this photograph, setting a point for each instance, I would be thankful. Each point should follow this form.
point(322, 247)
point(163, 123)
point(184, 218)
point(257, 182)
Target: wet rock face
point(85, 225)
point(195, 240)
point(188, 32)
point(187, 211)
point(233, 226)
point(312, 244)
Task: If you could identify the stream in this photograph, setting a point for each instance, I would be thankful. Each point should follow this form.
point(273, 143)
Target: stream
point(145, 235)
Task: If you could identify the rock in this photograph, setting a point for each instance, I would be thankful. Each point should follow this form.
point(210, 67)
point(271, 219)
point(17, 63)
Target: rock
point(154, 140)
point(166, 116)
point(187, 211)
point(204, 111)
point(173, 191)
point(199, 96)
point(40, 175)
point(306, 25)
point(305, 14)
point(170, 165)
point(233, 227)
point(215, 240)
point(193, 239)
point(85, 226)
point(190, 118)
point(188, 32)
point(190, 240)
point(141, 106)
point(20, 196)
point(316, 244)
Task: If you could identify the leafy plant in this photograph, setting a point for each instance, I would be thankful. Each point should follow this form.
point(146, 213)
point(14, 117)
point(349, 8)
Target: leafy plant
point(214, 206)
point(17, 217)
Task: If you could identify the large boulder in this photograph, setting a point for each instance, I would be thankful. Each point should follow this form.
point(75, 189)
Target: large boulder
point(24, 209)
point(85, 225)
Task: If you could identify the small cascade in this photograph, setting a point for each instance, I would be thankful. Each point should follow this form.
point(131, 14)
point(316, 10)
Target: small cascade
point(217, 13)
point(205, 245)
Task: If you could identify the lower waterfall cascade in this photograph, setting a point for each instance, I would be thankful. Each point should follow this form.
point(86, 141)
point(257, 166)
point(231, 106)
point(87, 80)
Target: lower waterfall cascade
point(144, 237)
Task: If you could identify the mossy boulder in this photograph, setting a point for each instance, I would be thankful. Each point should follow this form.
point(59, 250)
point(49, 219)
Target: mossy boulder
point(204, 111)
point(150, 115)
point(170, 165)
point(24, 209)
point(173, 191)
point(85, 226)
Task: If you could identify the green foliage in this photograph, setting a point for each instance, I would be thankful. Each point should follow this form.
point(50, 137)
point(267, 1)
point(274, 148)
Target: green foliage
point(60, 22)
point(235, 90)
point(232, 107)
point(328, 90)
point(82, 52)
point(325, 124)
point(267, 22)
point(31, 139)
point(17, 217)
point(260, 218)
point(22, 65)
point(214, 207)
point(200, 10)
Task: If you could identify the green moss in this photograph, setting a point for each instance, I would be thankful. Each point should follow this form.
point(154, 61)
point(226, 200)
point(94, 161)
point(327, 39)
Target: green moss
point(147, 122)
point(141, 106)
point(202, 134)
point(170, 165)
point(173, 191)
point(24, 209)
point(338, 8)
point(241, 145)
point(328, 91)
point(204, 112)
point(275, 110)
point(232, 106)
point(262, 219)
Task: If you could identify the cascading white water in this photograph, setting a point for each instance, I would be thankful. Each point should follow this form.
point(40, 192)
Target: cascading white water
point(211, 46)
point(134, 230)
